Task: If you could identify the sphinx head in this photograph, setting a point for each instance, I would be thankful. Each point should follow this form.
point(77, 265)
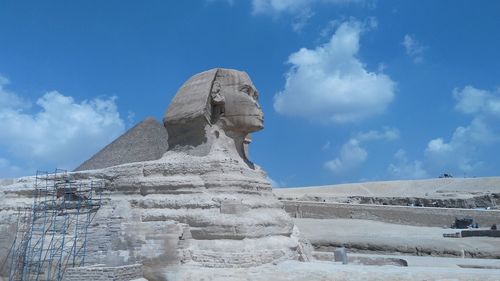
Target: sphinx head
point(223, 99)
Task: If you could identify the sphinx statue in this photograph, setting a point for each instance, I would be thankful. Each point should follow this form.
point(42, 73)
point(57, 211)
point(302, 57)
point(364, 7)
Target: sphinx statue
point(203, 203)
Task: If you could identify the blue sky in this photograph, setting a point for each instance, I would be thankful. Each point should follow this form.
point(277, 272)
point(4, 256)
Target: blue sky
point(352, 90)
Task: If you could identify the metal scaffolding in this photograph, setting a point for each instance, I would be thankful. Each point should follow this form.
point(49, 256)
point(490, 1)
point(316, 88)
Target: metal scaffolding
point(53, 234)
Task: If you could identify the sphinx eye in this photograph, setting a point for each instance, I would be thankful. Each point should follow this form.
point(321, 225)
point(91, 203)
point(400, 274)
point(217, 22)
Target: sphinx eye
point(249, 91)
point(245, 89)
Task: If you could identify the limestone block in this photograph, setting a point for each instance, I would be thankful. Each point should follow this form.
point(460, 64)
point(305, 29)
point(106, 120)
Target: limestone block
point(233, 207)
point(340, 255)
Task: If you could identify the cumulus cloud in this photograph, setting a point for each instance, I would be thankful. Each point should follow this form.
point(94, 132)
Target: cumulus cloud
point(471, 100)
point(462, 152)
point(453, 156)
point(467, 151)
point(369, 23)
point(414, 48)
point(10, 100)
point(60, 133)
point(330, 83)
point(402, 168)
point(352, 154)
point(484, 106)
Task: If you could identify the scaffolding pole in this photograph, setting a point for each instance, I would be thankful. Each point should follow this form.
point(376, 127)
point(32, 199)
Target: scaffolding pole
point(52, 236)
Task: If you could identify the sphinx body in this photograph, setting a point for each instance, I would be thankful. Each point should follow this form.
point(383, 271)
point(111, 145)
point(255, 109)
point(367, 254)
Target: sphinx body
point(203, 203)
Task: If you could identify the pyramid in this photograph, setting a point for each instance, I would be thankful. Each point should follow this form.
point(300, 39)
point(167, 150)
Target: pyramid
point(145, 141)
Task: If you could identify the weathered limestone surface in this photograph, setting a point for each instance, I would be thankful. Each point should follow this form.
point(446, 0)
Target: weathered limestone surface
point(366, 236)
point(103, 273)
point(408, 215)
point(297, 271)
point(203, 203)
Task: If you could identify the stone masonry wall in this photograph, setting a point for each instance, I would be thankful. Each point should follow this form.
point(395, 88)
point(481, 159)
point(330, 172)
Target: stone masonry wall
point(101, 273)
point(423, 216)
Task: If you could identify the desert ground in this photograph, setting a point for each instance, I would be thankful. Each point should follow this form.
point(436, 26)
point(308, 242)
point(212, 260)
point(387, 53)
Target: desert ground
point(398, 226)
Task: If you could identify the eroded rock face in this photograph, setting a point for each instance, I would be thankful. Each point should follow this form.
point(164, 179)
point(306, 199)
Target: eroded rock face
point(204, 202)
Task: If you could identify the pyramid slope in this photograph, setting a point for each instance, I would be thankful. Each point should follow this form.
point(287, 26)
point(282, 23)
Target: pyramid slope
point(145, 141)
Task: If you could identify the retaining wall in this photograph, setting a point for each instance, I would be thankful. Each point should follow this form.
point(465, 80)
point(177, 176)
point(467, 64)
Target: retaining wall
point(102, 273)
point(423, 216)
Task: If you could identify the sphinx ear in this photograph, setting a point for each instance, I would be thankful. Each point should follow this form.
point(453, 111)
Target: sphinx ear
point(218, 102)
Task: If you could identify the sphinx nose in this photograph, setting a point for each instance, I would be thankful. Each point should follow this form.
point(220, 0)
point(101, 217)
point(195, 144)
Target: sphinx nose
point(258, 105)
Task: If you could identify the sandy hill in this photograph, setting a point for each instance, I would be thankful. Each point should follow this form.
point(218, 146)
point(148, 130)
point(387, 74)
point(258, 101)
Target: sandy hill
point(429, 188)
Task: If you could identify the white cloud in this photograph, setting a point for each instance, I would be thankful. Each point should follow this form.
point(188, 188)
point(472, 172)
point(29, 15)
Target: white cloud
point(463, 152)
point(9, 99)
point(471, 100)
point(485, 108)
point(369, 23)
point(230, 2)
point(278, 6)
point(294, 6)
point(62, 133)
point(414, 48)
point(300, 10)
point(438, 146)
point(405, 169)
point(301, 20)
point(130, 118)
point(331, 83)
point(468, 149)
point(459, 154)
point(388, 134)
point(450, 157)
point(352, 154)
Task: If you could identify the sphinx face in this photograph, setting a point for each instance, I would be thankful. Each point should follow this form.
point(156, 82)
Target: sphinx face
point(242, 110)
point(224, 95)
